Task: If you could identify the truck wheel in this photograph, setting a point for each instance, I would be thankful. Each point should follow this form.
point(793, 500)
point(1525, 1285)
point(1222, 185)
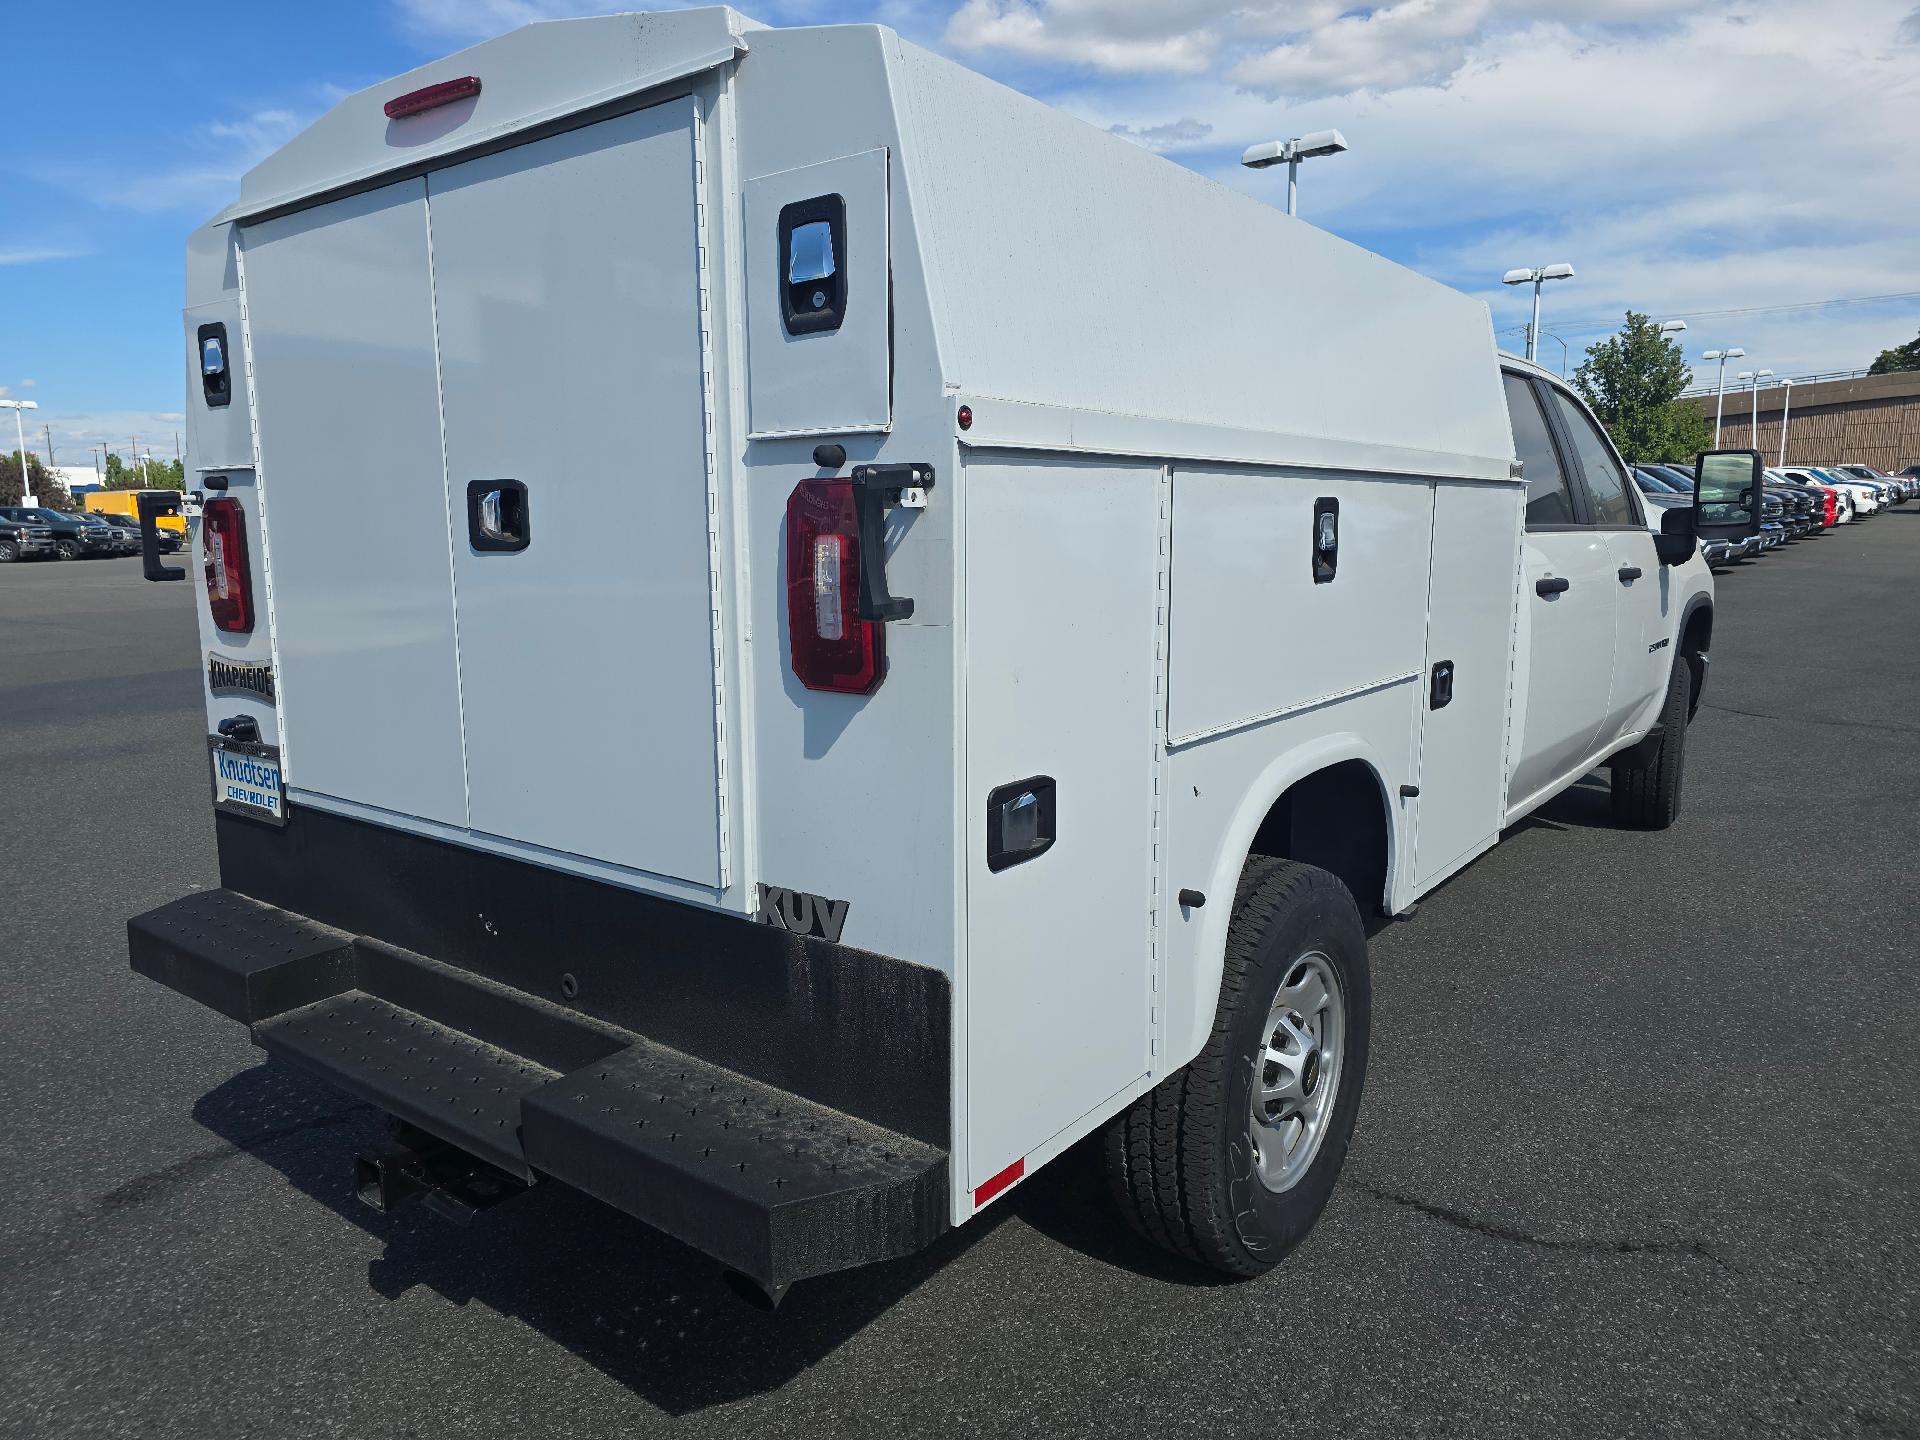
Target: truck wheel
point(8, 552)
point(67, 549)
point(1230, 1160)
point(1646, 788)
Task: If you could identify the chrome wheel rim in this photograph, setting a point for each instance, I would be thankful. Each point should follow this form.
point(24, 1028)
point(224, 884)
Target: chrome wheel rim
point(1296, 1071)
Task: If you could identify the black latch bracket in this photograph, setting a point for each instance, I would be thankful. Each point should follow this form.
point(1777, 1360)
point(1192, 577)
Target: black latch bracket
point(875, 488)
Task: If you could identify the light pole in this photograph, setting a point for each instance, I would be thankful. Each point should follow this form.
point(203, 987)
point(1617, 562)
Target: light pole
point(1753, 424)
point(20, 433)
point(1537, 276)
point(1290, 153)
point(1563, 348)
point(1720, 398)
point(1786, 406)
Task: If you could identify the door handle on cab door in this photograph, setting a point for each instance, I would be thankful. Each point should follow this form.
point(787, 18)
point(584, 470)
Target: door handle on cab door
point(1629, 574)
point(1552, 585)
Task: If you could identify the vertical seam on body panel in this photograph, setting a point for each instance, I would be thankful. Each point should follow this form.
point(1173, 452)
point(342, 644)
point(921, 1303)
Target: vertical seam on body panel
point(259, 488)
point(1157, 913)
point(1513, 653)
point(715, 610)
point(446, 495)
point(725, 214)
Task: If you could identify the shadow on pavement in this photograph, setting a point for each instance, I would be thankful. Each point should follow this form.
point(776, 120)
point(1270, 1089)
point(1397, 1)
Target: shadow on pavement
point(645, 1310)
point(1588, 805)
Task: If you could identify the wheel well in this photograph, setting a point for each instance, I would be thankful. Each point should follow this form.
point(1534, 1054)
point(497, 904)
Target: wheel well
point(1336, 819)
point(1695, 638)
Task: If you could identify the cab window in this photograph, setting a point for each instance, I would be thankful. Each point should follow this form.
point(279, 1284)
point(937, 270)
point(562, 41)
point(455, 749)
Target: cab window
point(1606, 481)
point(1549, 501)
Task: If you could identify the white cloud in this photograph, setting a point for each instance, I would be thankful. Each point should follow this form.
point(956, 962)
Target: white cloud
point(34, 255)
point(1128, 36)
point(1182, 134)
point(212, 158)
point(1415, 42)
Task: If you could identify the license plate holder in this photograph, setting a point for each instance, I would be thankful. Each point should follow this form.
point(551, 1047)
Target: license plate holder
point(247, 780)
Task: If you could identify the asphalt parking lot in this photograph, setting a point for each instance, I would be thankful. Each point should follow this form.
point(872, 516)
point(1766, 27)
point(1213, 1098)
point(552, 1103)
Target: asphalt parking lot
point(1640, 1152)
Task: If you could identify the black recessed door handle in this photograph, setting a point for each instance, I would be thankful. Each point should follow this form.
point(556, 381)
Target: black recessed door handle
point(1552, 585)
point(1629, 574)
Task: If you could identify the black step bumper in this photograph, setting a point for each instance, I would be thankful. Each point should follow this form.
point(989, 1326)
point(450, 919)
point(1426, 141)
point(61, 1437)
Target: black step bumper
point(771, 1183)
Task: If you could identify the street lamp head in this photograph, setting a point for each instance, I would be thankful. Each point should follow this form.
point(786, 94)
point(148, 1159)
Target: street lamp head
point(1733, 354)
point(1537, 273)
point(19, 404)
point(1320, 142)
point(1285, 152)
point(1670, 327)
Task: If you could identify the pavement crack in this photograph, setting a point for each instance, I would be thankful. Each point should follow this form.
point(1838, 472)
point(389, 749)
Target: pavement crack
point(1582, 1245)
point(1891, 729)
point(187, 1168)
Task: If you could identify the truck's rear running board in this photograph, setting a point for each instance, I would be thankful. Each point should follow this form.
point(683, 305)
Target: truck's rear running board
point(773, 1185)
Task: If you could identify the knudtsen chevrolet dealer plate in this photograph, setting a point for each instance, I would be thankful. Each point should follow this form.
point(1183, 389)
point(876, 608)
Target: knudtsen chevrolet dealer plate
point(246, 780)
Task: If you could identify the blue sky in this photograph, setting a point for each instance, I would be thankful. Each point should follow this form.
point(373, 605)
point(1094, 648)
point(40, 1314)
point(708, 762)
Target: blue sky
point(1685, 157)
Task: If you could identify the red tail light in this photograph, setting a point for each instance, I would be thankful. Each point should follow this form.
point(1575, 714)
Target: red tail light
point(831, 646)
point(223, 536)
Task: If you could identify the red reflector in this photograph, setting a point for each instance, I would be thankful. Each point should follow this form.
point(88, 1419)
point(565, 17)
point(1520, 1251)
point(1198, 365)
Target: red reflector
point(831, 647)
point(223, 537)
point(429, 96)
point(999, 1182)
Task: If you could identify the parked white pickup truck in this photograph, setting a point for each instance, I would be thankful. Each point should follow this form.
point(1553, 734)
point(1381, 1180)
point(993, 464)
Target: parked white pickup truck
point(1057, 601)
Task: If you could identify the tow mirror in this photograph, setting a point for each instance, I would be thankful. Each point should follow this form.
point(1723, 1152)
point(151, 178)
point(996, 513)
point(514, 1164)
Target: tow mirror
point(1729, 487)
point(1676, 539)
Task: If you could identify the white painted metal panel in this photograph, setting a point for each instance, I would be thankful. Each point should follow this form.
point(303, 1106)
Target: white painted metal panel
point(1218, 792)
point(1462, 772)
point(1642, 618)
point(1060, 629)
point(1568, 640)
point(567, 283)
point(1252, 634)
point(340, 314)
point(832, 381)
point(1068, 267)
point(217, 434)
point(530, 76)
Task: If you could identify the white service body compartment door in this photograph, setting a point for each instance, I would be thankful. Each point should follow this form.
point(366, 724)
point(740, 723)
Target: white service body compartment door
point(824, 381)
point(1462, 776)
point(1060, 601)
point(567, 283)
point(340, 316)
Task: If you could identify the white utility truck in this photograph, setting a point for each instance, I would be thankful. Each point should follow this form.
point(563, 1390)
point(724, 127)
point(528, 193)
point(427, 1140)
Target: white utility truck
point(789, 632)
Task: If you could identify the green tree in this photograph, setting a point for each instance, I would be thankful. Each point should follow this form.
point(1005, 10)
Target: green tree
point(1900, 357)
point(1632, 380)
point(144, 475)
point(47, 490)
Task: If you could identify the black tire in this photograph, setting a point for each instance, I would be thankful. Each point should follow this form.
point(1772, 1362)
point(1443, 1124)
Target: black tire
point(1180, 1159)
point(9, 552)
point(67, 549)
point(1646, 788)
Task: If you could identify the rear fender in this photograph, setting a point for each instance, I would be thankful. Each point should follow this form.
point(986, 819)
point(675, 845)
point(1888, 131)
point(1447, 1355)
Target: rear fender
point(1193, 989)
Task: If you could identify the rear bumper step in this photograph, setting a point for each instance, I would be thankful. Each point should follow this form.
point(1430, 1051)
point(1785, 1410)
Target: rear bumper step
point(773, 1185)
